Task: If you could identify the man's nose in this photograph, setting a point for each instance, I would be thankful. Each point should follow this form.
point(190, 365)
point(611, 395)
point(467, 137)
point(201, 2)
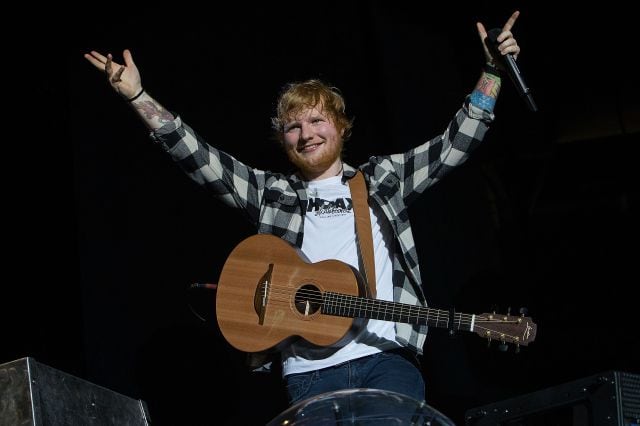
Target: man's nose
point(306, 132)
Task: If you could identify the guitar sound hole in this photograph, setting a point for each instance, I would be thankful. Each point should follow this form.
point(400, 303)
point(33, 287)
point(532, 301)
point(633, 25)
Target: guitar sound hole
point(308, 299)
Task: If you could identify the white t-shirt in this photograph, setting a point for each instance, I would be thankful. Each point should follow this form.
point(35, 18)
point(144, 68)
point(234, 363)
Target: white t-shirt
point(329, 233)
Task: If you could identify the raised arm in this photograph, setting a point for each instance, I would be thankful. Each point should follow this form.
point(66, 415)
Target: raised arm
point(428, 163)
point(126, 81)
point(234, 183)
point(486, 91)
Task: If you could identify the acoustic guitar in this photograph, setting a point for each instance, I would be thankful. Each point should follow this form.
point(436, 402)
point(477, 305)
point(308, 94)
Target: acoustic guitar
point(267, 295)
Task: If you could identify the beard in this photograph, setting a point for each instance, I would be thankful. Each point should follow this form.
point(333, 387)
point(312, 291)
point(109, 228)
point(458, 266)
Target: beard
point(317, 163)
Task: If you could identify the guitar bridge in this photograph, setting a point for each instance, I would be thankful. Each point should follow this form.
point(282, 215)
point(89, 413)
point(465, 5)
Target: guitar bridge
point(262, 294)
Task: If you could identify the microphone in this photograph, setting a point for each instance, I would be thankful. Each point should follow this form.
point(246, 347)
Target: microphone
point(509, 64)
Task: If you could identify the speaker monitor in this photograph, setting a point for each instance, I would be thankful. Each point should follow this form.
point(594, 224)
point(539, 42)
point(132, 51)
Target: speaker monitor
point(607, 399)
point(32, 393)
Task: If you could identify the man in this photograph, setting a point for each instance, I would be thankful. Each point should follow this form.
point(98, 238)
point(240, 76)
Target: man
point(311, 209)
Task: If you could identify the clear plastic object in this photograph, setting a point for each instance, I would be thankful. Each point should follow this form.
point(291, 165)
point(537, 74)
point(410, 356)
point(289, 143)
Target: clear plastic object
point(363, 407)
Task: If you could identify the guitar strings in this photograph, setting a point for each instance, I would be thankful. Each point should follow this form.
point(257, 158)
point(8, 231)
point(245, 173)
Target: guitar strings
point(351, 302)
point(429, 316)
point(342, 302)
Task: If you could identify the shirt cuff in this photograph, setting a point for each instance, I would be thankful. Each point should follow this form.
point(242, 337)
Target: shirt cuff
point(477, 113)
point(167, 135)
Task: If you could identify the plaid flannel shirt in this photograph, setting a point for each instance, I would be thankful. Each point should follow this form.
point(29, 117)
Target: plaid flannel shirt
point(276, 203)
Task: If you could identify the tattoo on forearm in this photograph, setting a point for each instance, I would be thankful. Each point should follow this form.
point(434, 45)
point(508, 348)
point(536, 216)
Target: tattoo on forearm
point(152, 111)
point(486, 92)
point(489, 85)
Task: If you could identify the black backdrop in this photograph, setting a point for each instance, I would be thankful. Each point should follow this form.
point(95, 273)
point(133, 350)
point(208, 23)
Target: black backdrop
point(543, 215)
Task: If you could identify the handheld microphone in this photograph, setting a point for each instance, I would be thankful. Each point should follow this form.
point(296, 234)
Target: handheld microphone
point(507, 62)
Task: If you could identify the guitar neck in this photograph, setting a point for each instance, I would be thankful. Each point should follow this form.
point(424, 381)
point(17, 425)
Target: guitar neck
point(345, 305)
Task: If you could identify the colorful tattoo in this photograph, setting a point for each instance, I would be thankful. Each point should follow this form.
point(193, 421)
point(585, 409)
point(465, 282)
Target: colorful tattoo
point(486, 91)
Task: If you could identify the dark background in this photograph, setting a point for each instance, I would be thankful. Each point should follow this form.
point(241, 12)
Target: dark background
point(544, 214)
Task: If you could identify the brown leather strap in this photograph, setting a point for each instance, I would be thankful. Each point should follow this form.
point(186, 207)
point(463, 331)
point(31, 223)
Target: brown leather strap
point(359, 196)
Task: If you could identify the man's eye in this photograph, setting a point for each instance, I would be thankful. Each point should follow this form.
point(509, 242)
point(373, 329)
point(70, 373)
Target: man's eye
point(291, 128)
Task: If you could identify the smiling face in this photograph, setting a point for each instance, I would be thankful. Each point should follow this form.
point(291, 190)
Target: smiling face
point(313, 143)
point(312, 126)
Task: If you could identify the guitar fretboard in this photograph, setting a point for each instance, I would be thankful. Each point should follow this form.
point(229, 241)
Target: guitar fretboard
point(345, 305)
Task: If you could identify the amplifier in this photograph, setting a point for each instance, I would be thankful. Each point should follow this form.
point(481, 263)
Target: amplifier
point(611, 398)
point(32, 393)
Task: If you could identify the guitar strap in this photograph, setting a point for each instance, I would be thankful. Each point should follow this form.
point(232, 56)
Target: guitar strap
point(364, 236)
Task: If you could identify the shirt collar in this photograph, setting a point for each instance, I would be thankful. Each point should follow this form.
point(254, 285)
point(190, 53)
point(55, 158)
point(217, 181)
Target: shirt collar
point(347, 173)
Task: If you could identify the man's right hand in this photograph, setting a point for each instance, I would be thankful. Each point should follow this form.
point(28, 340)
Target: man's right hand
point(125, 79)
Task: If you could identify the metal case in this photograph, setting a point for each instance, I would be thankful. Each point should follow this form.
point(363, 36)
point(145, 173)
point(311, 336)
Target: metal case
point(32, 393)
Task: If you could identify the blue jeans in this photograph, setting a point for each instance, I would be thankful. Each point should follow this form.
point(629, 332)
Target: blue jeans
point(396, 370)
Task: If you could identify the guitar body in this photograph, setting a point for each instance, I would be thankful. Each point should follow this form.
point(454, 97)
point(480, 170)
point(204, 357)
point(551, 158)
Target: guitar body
point(267, 295)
